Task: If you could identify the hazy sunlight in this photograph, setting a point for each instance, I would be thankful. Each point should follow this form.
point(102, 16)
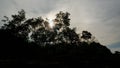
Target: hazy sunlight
point(51, 23)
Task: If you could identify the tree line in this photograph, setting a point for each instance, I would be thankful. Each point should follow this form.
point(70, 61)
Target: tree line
point(34, 41)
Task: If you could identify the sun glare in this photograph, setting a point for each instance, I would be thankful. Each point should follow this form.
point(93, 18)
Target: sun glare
point(51, 23)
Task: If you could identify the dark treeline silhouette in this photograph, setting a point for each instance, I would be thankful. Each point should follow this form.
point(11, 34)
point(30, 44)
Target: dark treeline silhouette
point(33, 41)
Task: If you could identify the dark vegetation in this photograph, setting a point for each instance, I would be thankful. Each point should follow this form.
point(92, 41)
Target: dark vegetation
point(32, 41)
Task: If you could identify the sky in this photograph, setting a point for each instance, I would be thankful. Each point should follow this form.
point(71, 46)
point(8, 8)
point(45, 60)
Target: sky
point(100, 17)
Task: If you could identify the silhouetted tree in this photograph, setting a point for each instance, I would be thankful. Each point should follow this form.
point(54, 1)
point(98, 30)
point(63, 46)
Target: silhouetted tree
point(86, 35)
point(17, 26)
point(33, 41)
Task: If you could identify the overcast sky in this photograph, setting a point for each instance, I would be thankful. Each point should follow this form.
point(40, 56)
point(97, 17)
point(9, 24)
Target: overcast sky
point(100, 17)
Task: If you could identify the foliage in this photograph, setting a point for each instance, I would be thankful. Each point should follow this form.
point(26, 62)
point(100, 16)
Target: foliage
point(33, 41)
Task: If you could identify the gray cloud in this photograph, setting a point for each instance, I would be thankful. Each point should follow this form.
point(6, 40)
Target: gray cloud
point(114, 47)
point(98, 16)
point(101, 17)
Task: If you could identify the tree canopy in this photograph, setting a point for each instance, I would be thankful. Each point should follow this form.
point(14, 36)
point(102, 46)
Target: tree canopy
point(39, 31)
point(36, 42)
